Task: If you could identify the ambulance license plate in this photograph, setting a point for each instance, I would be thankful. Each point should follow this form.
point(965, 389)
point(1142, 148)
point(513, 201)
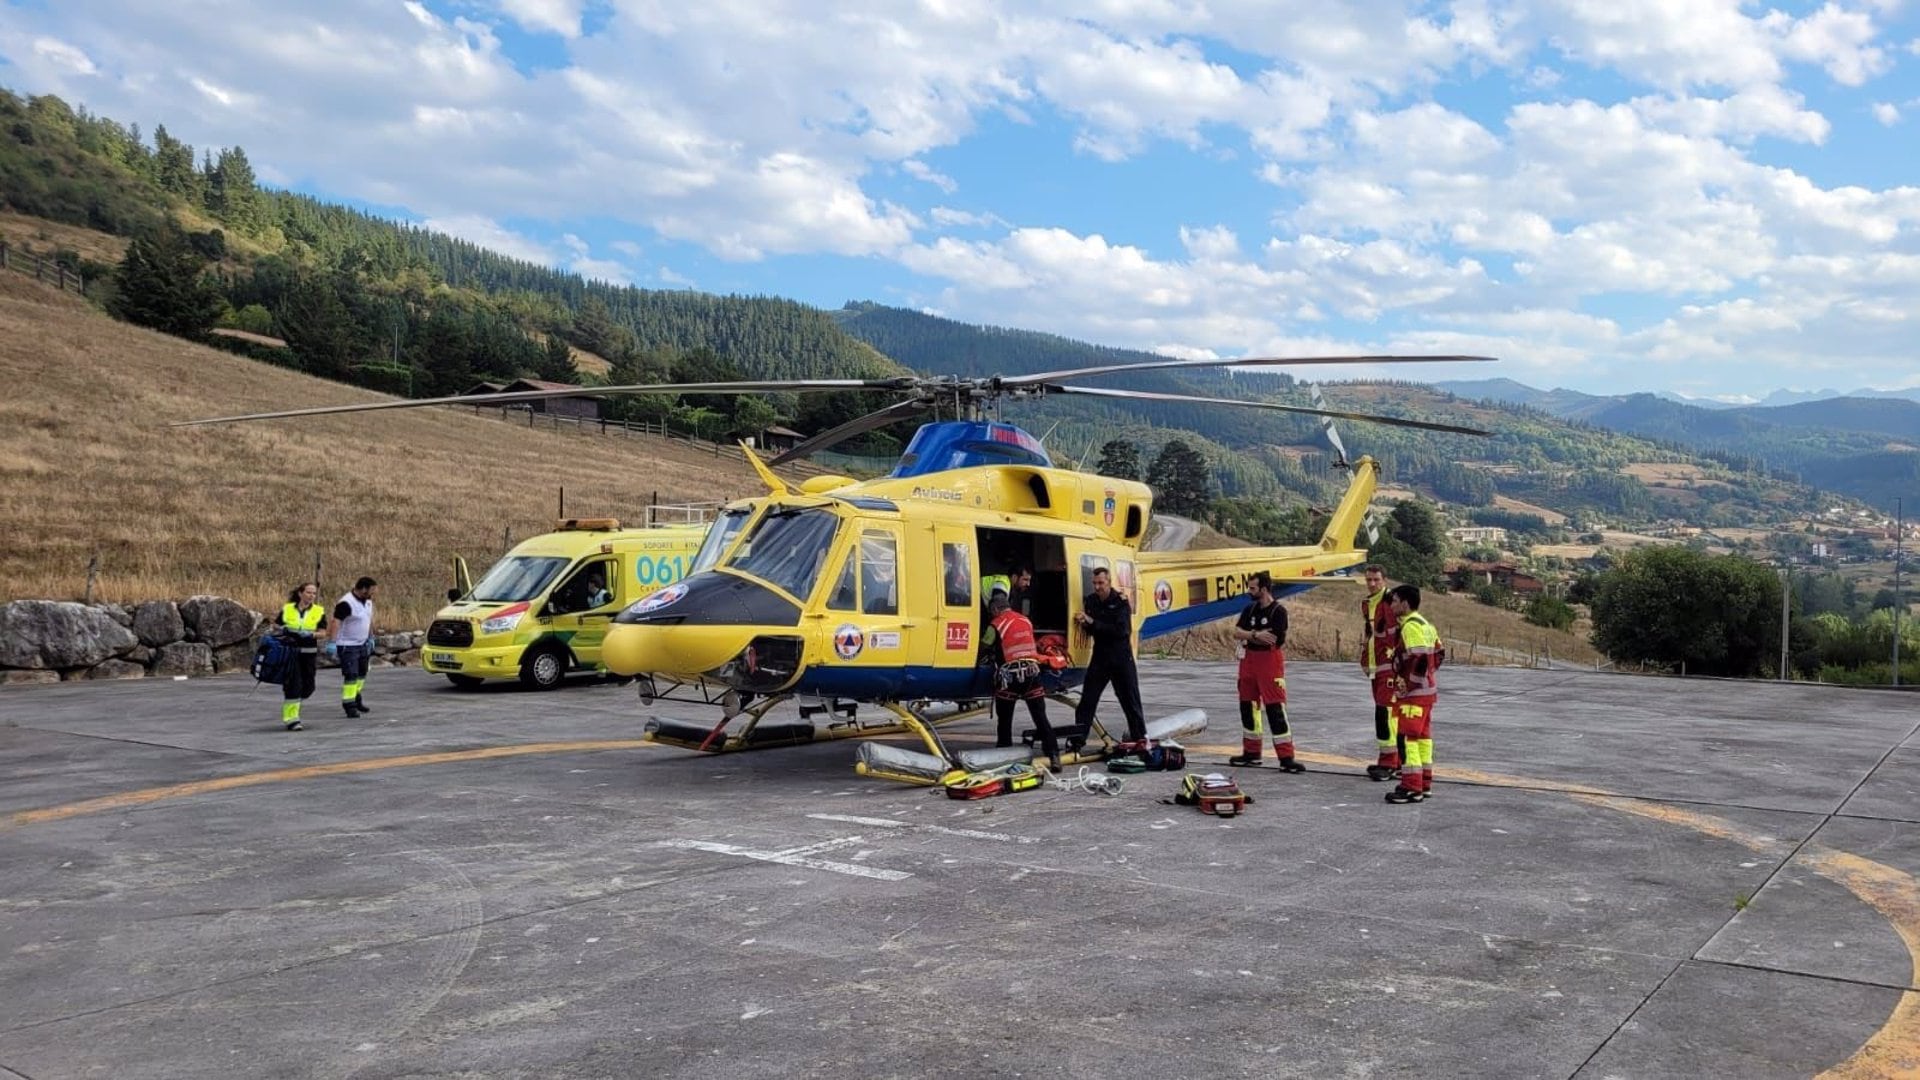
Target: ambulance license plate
point(443, 659)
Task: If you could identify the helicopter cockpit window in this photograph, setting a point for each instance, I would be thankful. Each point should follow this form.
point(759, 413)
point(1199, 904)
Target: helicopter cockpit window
point(721, 534)
point(787, 548)
point(516, 578)
point(843, 597)
point(959, 575)
point(879, 583)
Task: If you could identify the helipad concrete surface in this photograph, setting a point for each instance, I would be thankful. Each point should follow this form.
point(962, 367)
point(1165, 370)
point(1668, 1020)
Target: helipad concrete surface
point(1619, 877)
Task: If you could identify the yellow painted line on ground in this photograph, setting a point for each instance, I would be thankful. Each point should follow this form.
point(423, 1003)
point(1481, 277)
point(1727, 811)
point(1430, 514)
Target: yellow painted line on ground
point(128, 799)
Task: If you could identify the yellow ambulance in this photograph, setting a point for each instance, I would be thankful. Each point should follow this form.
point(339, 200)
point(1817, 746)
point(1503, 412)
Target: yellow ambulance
point(542, 611)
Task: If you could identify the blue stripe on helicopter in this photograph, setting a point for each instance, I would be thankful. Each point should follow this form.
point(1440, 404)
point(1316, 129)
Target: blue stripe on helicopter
point(1189, 617)
point(912, 682)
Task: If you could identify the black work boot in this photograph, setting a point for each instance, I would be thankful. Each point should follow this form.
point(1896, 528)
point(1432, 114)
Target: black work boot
point(361, 704)
point(1244, 759)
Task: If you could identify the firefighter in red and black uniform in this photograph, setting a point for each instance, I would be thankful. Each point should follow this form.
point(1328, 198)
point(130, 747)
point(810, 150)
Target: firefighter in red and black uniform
point(1416, 686)
point(1376, 659)
point(1262, 633)
point(1017, 676)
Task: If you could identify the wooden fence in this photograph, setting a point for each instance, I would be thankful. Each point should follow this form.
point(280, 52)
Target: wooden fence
point(638, 429)
point(43, 269)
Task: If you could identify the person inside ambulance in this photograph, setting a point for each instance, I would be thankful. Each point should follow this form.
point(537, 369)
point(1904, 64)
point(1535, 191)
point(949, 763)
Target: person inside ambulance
point(597, 593)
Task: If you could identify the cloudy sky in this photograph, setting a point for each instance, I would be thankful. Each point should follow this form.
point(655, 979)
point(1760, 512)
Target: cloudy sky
point(1705, 196)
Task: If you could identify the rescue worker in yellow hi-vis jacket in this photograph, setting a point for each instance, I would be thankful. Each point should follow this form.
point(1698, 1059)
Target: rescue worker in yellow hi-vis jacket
point(303, 622)
point(1376, 659)
point(1416, 665)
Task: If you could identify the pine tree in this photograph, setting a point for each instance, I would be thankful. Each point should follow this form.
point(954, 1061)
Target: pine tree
point(1119, 459)
point(173, 166)
point(1181, 479)
point(556, 363)
point(159, 284)
point(232, 194)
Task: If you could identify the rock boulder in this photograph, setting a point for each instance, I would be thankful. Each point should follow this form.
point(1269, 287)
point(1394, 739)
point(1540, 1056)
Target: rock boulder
point(59, 634)
point(158, 622)
point(183, 658)
point(15, 677)
point(116, 669)
point(217, 621)
point(235, 657)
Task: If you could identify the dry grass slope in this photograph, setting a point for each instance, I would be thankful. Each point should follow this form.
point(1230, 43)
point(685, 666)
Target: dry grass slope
point(88, 466)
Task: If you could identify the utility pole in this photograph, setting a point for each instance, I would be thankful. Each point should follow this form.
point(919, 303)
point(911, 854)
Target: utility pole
point(1786, 594)
point(1899, 601)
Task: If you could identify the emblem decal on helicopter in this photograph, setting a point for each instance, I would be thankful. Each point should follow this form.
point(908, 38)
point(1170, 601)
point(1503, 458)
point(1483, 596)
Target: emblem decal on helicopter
point(1162, 596)
point(660, 599)
point(959, 635)
point(1107, 507)
point(848, 641)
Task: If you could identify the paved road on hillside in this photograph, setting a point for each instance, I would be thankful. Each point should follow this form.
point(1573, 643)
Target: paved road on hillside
point(1171, 533)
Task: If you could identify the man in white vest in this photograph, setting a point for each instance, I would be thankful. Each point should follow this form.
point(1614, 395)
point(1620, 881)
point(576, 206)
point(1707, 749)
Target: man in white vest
point(353, 634)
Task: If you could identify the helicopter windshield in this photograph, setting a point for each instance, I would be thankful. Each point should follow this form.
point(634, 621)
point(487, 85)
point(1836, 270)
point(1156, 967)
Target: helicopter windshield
point(516, 578)
point(787, 548)
point(724, 529)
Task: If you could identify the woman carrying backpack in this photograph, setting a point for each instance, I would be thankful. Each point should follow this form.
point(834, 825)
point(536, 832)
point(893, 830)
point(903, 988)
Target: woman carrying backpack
point(302, 622)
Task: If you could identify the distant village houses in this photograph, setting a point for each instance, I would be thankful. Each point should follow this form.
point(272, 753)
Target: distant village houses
point(1479, 534)
point(1469, 575)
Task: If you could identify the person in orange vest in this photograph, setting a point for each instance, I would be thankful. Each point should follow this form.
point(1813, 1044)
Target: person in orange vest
point(1416, 665)
point(303, 622)
point(1376, 659)
point(1262, 634)
point(1017, 676)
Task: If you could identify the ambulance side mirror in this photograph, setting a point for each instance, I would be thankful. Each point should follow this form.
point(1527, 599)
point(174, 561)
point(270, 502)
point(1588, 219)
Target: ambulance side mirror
point(453, 594)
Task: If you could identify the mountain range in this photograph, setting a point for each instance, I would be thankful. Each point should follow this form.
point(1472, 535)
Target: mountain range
point(1865, 445)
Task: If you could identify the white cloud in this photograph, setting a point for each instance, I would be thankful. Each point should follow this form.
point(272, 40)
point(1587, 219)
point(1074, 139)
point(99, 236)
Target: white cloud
point(558, 16)
point(1887, 113)
point(1838, 40)
point(493, 236)
point(926, 174)
point(70, 57)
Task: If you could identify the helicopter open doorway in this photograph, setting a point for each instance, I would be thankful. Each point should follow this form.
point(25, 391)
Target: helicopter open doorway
point(1005, 552)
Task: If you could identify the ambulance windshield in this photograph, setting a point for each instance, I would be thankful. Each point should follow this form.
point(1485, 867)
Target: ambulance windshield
point(787, 548)
point(722, 532)
point(516, 578)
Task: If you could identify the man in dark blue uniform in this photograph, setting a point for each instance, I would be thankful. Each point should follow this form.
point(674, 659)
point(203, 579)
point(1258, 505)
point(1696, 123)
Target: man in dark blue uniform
point(1108, 617)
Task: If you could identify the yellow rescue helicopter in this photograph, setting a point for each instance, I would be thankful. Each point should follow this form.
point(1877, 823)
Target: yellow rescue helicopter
point(861, 592)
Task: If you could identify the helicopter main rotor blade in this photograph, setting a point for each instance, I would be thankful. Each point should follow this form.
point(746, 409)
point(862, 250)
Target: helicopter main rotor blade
point(793, 386)
point(859, 425)
point(1248, 361)
point(1148, 395)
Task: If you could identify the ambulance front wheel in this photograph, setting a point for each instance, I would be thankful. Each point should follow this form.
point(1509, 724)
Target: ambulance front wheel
point(543, 669)
point(464, 682)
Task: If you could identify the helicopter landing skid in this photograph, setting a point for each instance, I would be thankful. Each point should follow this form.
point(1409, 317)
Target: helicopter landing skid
point(756, 734)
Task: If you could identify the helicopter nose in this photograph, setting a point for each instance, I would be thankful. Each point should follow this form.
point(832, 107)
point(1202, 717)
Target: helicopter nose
point(694, 627)
point(655, 648)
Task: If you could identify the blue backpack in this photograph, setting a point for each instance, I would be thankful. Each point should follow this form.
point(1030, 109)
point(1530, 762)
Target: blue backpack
point(272, 658)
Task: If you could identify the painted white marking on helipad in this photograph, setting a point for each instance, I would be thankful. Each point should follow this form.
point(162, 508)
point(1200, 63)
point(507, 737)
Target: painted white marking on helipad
point(889, 823)
point(788, 858)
